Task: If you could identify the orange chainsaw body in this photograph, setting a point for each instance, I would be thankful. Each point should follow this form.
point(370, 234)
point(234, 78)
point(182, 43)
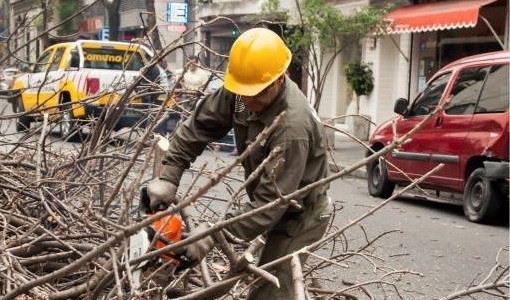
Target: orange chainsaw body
point(168, 229)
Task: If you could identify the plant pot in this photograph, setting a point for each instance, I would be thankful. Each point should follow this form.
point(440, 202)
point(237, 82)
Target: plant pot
point(330, 135)
point(361, 127)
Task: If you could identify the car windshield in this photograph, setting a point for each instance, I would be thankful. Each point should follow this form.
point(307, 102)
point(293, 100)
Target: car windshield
point(112, 59)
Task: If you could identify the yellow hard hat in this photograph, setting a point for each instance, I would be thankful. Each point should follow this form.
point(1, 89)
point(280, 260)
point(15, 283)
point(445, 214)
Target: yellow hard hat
point(257, 58)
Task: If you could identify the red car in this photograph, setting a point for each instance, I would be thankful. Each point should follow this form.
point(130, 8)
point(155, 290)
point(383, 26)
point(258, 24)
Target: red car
point(469, 134)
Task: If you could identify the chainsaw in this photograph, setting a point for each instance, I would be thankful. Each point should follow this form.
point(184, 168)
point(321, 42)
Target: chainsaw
point(159, 234)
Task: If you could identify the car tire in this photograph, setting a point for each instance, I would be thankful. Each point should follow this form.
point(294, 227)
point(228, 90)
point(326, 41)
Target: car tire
point(482, 199)
point(378, 183)
point(22, 121)
point(69, 130)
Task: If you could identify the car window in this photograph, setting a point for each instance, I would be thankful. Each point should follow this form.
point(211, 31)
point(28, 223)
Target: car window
point(74, 61)
point(466, 90)
point(112, 59)
point(427, 100)
point(42, 62)
point(495, 93)
point(59, 53)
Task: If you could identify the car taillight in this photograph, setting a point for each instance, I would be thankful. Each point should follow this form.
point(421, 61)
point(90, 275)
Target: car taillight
point(92, 85)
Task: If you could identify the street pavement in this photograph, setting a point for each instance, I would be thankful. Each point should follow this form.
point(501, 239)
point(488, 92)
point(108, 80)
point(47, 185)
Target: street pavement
point(346, 153)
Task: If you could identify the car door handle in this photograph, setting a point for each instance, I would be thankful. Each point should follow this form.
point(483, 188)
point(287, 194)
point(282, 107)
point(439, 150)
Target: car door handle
point(439, 121)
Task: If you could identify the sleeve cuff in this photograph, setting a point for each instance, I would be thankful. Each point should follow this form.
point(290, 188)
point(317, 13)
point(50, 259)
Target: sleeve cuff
point(172, 174)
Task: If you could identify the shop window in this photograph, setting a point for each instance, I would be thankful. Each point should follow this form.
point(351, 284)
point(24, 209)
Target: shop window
point(451, 49)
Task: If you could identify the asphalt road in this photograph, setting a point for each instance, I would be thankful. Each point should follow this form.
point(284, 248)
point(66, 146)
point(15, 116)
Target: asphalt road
point(433, 239)
point(435, 250)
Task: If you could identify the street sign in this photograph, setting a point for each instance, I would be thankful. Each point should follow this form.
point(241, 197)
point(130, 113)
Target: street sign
point(176, 28)
point(104, 33)
point(177, 12)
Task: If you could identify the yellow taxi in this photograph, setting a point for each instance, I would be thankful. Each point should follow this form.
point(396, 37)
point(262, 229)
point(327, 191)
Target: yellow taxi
point(75, 80)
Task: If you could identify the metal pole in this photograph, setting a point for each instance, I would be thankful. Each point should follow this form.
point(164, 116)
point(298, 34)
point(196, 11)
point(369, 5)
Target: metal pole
point(507, 27)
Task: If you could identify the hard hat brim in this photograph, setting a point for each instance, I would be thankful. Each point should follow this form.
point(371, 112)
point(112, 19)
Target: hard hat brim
point(243, 89)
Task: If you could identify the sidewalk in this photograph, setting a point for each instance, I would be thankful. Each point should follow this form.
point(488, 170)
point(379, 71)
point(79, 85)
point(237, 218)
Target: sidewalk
point(346, 153)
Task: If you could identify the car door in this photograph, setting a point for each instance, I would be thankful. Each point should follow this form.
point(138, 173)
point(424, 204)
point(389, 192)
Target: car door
point(54, 79)
point(453, 125)
point(413, 158)
point(45, 82)
point(34, 89)
point(489, 123)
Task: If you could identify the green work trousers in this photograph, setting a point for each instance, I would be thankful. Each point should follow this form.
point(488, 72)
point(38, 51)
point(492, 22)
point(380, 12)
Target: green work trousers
point(307, 228)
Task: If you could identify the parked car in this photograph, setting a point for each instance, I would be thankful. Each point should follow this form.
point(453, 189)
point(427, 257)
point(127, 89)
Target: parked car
point(469, 135)
point(7, 77)
point(78, 79)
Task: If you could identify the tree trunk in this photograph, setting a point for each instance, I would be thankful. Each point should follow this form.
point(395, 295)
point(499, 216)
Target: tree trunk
point(152, 29)
point(357, 103)
point(45, 39)
point(112, 9)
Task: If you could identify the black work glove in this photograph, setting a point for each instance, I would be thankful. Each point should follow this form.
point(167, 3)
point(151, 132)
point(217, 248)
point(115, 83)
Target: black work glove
point(161, 194)
point(196, 251)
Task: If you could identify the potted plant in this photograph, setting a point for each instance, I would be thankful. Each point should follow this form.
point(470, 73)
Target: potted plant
point(360, 77)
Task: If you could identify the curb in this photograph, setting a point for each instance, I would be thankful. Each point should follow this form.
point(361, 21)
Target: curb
point(359, 173)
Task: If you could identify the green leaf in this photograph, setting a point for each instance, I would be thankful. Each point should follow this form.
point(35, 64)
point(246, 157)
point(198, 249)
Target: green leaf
point(360, 77)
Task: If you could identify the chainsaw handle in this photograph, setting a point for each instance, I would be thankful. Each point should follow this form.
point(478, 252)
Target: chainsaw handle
point(160, 207)
point(145, 203)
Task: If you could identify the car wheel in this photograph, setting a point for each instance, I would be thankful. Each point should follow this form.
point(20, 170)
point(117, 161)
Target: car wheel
point(22, 121)
point(378, 183)
point(68, 127)
point(482, 199)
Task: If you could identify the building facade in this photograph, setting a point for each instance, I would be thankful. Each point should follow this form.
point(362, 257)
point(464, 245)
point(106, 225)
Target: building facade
point(416, 44)
point(401, 60)
point(27, 20)
point(425, 36)
point(173, 18)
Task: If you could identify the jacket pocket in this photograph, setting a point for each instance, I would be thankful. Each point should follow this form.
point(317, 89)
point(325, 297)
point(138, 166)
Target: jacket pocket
point(293, 224)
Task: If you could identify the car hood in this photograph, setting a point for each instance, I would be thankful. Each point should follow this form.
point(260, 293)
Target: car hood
point(383, 129)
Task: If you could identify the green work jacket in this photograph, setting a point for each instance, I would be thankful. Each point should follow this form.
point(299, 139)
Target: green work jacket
point(301, 161)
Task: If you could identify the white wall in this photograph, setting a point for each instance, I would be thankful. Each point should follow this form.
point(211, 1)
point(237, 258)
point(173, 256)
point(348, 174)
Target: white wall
point(336, 97)
point(169, 38)
point(390, 69)
point(331, 95)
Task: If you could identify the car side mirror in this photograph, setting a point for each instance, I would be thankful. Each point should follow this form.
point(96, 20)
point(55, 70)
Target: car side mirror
point(401, 106)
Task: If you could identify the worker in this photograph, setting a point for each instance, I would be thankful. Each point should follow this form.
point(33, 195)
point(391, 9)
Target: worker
point(255, 91)
point(194, 80)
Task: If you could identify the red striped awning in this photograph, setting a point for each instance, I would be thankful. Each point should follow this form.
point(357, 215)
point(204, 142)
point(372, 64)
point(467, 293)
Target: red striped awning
point(435, 16)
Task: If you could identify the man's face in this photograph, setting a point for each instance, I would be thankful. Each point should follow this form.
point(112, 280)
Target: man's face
point(193, 64)
point(262, 100)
